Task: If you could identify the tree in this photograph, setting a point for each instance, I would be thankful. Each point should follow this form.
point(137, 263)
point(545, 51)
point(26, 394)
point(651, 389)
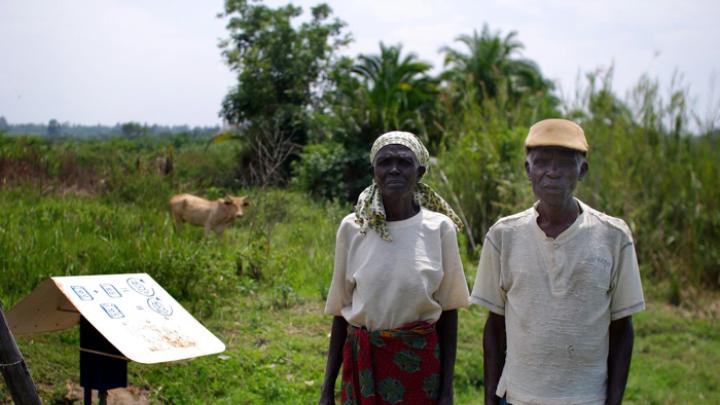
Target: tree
point(4, 126)
point(493, 68)
point(53, 129)
point(372, 95)
point(397, 89)
point(132, 130)
point(379, 93)
point(281, 71)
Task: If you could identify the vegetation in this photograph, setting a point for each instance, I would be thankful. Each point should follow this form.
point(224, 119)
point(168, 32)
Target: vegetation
point(303, 119)
point(66, 130)
point(280, 70)
point(261, 290)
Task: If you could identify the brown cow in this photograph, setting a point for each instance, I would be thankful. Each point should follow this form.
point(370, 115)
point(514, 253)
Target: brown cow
point(215, 215)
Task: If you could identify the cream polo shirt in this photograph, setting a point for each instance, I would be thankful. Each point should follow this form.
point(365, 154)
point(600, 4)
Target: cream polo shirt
point(384, 285)
point(558, 296)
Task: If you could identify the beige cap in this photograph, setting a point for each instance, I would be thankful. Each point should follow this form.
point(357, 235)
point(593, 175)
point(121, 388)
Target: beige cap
point(557, 132)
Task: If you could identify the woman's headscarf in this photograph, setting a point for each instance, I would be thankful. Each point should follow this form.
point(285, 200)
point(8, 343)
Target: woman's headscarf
point(370, 211)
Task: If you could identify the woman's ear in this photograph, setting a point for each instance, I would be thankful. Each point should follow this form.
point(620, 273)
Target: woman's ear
point(421, 172)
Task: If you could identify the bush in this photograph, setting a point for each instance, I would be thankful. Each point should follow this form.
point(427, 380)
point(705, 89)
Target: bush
point(330, 171)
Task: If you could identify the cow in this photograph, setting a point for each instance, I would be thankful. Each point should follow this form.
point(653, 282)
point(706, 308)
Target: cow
point(215, 215)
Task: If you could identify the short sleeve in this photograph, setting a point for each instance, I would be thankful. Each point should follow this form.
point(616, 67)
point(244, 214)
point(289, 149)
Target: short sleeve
point(341, 290)
point(487, 290)
point(626, 289)
point(452, 293)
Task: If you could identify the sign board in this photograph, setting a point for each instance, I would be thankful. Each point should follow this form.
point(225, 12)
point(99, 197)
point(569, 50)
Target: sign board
point(132, 311)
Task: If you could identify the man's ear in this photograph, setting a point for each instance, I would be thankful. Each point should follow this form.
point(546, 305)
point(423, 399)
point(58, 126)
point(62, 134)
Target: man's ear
point(584, 168)
point(372, 171)
point(421, 172)
point(527, 168)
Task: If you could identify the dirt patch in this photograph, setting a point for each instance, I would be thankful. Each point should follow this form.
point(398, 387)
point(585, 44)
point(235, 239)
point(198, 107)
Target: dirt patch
point(131, 395)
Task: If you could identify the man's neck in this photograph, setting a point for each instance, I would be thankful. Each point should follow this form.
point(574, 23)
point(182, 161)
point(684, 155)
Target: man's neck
point(554, 219)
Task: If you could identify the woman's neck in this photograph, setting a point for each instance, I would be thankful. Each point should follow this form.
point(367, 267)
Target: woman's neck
point(399, 210)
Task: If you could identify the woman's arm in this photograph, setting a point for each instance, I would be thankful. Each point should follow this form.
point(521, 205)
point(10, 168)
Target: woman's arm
point(447, 335)
point(338, 334)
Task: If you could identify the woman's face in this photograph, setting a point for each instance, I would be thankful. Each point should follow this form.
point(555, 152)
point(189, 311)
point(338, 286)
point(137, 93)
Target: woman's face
point(396, 171)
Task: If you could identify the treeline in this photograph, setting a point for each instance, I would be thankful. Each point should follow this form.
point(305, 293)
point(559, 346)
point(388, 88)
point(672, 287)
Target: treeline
point(55, 129)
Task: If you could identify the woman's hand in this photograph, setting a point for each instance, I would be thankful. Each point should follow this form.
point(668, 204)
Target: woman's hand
point(338, 334)
point(327, 400)
point(445, 399)
point(447, 335)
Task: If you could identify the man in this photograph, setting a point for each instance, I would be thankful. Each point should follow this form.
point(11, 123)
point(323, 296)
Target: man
point(561, 281)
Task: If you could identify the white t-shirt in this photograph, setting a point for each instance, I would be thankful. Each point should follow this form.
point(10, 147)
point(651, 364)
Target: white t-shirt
point(384, 285)
point(558, 296)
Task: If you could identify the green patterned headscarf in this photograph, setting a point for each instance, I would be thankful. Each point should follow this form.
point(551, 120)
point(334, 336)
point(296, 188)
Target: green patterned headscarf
point(370, 211)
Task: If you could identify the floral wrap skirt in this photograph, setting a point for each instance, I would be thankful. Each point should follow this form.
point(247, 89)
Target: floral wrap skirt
point(397, 366)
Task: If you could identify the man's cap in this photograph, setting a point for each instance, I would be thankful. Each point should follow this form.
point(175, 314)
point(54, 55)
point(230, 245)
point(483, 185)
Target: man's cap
point(557, 132)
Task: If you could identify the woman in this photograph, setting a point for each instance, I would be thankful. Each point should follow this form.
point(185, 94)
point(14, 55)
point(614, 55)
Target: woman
point(396, 286)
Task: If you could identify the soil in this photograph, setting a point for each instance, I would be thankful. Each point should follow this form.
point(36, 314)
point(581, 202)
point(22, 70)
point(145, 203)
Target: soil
point(131, 395)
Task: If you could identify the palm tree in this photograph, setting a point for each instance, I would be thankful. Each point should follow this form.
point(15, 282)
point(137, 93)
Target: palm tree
point(493, 67)
point(396, 90)
point(374, 94)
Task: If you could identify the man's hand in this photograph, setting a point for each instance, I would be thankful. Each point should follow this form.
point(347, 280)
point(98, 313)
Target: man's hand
point(619, 354)
point(494, 346)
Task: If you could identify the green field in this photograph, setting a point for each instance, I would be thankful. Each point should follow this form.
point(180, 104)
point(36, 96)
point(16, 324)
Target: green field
point(261, 291)
point(298, 124)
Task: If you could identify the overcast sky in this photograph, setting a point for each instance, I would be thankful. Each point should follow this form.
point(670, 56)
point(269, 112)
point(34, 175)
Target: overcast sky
point(157, 61)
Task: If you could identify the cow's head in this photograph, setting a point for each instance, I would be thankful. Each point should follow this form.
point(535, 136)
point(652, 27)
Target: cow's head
point(238, 202)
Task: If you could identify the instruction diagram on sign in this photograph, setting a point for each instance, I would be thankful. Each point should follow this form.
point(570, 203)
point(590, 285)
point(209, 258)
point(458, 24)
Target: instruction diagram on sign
point(138, 317)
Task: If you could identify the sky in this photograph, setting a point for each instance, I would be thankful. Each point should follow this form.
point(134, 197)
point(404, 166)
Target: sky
point(158, 61)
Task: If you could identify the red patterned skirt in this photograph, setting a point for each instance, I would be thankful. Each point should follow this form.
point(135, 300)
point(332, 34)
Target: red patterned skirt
point(396, 366)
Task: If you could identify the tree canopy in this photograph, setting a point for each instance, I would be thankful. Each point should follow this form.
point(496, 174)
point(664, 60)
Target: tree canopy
point(281, 73)
point(279, 67)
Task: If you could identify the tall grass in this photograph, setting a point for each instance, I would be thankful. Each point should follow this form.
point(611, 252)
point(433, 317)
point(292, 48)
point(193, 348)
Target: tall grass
point(646, 166)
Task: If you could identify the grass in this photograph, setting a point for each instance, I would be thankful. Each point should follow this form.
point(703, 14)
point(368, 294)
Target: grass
point(261, 291)
point(276, 355)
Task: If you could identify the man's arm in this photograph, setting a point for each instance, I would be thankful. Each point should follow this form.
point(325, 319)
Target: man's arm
point(619, 354)
point(494, 346)
point(447, 335)
point(338, 334)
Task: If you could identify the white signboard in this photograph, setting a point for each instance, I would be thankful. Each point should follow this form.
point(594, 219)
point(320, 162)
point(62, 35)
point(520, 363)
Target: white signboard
point(131, 311)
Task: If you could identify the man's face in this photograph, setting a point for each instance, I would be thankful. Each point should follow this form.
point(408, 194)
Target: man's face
point(554, 173)
point(396, 170)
